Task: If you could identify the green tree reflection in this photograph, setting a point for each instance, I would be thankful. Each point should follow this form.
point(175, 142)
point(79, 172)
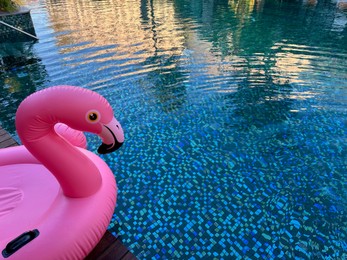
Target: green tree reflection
point(251, 30)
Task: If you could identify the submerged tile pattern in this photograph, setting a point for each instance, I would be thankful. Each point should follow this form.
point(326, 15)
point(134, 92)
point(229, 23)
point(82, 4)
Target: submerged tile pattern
point(213, 166)
point(203, 182)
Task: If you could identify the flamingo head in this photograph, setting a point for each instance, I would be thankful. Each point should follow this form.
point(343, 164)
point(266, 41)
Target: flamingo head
point(110, 131)
point(79, 108)
point(94, 114)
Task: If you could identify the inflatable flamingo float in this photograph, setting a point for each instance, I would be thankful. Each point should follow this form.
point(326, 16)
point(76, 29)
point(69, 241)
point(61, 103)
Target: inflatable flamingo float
point(57, 199)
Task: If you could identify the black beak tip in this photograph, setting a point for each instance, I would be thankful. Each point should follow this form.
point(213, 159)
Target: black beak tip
point(109, 148)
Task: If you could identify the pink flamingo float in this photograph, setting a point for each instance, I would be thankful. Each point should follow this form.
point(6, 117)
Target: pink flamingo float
point(56, 198)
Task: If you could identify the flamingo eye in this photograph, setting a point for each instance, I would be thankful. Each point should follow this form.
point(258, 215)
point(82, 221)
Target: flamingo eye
point(93, 116)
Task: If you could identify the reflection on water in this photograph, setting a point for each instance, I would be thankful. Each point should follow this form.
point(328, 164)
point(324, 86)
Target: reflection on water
point(21, 73)
point(234, 113)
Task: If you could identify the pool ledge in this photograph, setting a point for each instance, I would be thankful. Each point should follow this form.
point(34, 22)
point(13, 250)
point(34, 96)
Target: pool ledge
point(17, 26)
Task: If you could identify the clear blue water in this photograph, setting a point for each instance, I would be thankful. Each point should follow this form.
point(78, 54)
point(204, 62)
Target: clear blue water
point(234, 114)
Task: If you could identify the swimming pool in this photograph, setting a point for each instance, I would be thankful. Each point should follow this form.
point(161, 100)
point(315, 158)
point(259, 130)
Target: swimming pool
point(234, 114)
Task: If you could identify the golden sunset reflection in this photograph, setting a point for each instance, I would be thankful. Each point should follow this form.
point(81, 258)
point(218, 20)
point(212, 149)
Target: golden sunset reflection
point(151, 32)
point(119, 33)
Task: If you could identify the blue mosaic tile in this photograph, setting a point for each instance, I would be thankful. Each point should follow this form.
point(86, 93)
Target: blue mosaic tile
point(265, 199)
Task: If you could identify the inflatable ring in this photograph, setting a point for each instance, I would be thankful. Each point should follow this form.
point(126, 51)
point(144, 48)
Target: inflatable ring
point(56, 198)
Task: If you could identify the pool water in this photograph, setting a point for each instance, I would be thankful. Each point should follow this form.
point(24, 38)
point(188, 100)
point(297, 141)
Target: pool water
point(234, 115)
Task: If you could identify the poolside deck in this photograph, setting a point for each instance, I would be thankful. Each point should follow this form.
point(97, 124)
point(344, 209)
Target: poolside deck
point(5, 139)
point(109, 246)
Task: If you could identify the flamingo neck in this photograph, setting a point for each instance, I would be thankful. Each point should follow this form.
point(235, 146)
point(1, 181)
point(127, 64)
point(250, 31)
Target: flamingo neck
point(76, 173)
point(35, 120)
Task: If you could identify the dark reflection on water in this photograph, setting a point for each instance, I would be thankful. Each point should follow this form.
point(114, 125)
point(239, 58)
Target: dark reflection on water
point(234, 113)
point(21, 73)
point(260, 106)
point(168, 77)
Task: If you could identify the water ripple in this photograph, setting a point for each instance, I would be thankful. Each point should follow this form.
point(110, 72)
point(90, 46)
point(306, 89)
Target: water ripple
point(234, 113)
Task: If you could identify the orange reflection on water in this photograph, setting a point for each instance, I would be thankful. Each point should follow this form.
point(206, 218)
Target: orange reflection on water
point(116, 28)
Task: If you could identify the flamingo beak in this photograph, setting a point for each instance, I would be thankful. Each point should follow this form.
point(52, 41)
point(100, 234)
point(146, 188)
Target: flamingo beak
point(112, 136)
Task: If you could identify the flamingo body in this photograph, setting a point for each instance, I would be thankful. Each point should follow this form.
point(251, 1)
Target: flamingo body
point(45, 193)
